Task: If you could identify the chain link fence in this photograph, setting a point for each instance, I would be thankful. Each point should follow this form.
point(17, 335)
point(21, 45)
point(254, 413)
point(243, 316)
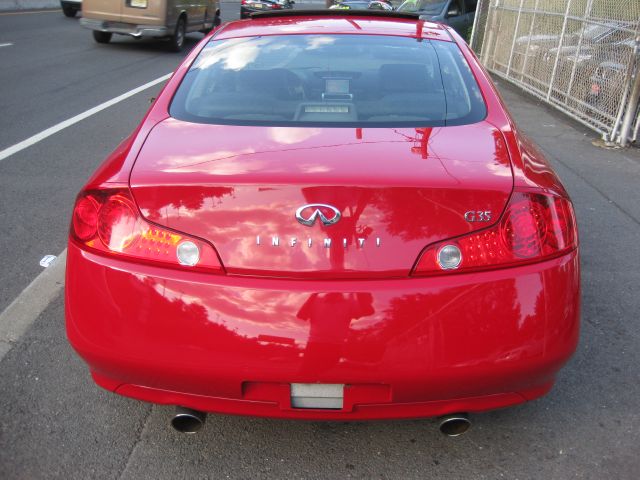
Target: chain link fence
point(581, 56)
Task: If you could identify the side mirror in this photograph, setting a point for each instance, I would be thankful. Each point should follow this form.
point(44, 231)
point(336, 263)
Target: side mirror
point(454, 11)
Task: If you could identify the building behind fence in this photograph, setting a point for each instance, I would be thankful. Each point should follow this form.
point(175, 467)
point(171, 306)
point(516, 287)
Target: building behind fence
point(581, 56)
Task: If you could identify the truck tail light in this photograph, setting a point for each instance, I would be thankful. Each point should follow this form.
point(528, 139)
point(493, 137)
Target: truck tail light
point(107, 221)
point(534, 227)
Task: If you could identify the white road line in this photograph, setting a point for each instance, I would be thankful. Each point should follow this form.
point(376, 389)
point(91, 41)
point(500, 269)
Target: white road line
point(7, 152)
point(5, 44)
point(26, 307)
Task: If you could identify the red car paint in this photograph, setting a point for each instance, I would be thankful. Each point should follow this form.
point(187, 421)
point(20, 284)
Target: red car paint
point(233, 339)
point(395, 203)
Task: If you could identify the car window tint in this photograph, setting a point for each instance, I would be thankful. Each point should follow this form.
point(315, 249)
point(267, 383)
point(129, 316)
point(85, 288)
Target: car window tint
point(456, 6)
point(329, 80)
point(427, 7)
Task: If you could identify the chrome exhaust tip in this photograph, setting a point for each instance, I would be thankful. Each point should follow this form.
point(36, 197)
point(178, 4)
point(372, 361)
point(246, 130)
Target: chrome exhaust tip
point(187, 420)
point(455, 424)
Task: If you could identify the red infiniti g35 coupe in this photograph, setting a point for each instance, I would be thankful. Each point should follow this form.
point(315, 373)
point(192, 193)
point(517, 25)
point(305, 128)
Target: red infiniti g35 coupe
point(325, 215)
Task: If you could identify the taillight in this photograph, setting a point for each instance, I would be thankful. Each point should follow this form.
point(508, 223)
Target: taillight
point(276, 6)
point(108, 221)
point(85, 218)
point(118, 223)
point(533, 227)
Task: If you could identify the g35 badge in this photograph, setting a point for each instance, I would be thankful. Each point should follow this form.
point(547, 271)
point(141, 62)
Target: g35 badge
point(478, 216)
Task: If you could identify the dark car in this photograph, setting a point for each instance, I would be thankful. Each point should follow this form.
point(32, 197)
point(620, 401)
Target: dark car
point(591, 33)
point(534, 55)
point(247, 7)
point(362, 5)
point(576, 63)
point(606, 84)
point(457, 13)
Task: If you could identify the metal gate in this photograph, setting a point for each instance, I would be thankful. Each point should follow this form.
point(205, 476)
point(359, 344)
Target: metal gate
point(581, 56)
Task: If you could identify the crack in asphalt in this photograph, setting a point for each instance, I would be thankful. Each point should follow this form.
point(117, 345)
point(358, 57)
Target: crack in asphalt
point(136, 443)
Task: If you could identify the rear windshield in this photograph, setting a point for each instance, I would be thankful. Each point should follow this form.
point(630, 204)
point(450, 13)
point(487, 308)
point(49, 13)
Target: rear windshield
point(329, 80)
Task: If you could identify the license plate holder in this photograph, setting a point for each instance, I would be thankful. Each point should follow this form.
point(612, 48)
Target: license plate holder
point(326, 396)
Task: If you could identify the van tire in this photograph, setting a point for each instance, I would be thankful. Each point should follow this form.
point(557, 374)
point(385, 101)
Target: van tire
point(206, 31)
point(102, 37)
point(176, 41)
point(216, 22)
point(69, 11)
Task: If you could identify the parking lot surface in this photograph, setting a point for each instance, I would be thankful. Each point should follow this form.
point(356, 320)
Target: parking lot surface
point(55, 423)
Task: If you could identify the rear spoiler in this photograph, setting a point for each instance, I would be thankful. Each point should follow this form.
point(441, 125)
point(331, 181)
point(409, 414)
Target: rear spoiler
point(334, 13)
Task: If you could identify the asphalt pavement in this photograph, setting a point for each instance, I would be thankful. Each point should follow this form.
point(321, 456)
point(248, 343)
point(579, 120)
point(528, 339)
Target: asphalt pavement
point(55, 423)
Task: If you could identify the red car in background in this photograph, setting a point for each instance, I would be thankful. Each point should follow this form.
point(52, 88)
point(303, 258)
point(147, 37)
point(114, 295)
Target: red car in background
point(325, 215)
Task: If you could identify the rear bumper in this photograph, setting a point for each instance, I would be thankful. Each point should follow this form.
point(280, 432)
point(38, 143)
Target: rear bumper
point(125, 28)
point(403, 347)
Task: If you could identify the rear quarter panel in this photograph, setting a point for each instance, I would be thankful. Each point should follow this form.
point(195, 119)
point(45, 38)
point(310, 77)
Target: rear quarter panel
point(530, 167)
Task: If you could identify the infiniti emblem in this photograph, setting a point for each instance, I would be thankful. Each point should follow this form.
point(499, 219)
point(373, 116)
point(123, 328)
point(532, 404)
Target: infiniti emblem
point(309, 220)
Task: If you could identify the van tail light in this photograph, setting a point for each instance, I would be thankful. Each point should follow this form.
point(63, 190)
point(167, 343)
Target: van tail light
point(107, 221)
point(534, 227)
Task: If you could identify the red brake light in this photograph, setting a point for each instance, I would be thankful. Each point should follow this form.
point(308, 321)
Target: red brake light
point(117, 223)
point(108, 221)
point(533, 227)
point(85, 218)
point(276, 6)
point(525, 228)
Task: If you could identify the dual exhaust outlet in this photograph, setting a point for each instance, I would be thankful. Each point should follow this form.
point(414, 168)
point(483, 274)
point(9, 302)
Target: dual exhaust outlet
point(454, 425)
point(187, 420)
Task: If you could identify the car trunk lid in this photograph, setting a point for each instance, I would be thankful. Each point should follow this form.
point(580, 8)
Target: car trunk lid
point(396, 190)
